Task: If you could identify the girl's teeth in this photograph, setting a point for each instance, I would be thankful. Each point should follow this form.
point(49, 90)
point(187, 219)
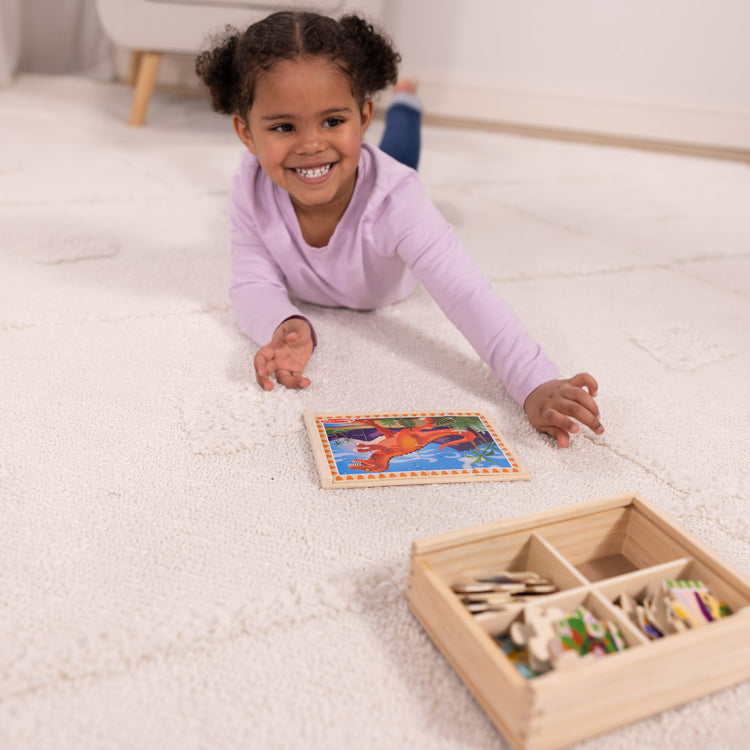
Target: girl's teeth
point(318, 172)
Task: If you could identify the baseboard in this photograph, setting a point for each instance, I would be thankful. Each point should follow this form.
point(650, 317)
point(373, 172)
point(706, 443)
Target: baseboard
point(670, 124)
point(602, 139)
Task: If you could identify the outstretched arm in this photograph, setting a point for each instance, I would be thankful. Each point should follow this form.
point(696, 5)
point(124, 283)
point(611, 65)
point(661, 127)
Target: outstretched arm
point(554, 405)
point(285, 356)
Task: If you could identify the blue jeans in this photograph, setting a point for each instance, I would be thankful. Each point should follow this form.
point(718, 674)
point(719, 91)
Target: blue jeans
point(403, 123)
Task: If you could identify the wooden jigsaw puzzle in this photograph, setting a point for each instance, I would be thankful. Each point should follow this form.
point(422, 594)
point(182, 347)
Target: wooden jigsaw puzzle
point(369, 449)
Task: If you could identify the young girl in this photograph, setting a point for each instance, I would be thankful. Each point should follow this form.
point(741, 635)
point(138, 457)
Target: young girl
point(318, 216)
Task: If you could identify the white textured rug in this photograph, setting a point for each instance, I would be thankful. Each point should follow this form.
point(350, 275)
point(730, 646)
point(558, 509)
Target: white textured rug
point(171, 574)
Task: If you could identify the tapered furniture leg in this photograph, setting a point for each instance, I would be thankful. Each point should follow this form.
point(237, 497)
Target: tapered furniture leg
point(144, 86)
point(135, 63)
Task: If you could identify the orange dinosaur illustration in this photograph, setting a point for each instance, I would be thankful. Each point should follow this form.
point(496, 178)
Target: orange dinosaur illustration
point(400, 442)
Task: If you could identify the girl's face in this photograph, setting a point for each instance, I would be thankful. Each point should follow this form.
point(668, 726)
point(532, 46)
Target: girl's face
point(306, 129)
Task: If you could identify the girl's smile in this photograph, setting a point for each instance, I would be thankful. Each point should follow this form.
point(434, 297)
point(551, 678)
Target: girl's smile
point(306, 128)
point(314, 174)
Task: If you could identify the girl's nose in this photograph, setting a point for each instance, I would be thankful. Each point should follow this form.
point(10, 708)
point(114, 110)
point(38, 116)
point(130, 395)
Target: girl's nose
point(310, 141)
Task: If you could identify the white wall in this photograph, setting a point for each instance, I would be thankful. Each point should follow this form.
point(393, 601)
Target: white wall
point(55, 37)
point(676, 70)
point(664, 70)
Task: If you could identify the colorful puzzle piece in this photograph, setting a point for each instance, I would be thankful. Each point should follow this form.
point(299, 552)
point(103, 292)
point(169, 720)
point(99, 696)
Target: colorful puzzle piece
point(556, 640)
point(675, 606)
point(518, 656)
point(584, 633)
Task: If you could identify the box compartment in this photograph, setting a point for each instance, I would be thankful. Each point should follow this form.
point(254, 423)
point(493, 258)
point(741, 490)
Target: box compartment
point(613, 542)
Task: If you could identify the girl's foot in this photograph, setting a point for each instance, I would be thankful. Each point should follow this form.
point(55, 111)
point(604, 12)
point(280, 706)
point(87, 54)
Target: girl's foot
point(408, 85)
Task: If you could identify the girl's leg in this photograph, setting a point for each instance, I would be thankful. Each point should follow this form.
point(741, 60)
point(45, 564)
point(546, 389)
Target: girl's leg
point(403, 123)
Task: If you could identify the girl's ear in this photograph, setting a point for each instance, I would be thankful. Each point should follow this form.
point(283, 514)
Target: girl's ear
point(367, 111)
point(243, 133)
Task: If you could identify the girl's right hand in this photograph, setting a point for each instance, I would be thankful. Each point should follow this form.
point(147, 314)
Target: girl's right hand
point(285, 356)
point(553, 407)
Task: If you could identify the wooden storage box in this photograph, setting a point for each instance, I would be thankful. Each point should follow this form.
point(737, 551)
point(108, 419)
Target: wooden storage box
point(593, 552)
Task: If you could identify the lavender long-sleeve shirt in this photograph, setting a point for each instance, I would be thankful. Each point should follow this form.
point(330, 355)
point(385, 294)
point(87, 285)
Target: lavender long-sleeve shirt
point(390, 238)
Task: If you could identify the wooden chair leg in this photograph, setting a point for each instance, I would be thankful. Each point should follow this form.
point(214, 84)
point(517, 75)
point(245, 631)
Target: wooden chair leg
point(144, 86)
point(135, 64)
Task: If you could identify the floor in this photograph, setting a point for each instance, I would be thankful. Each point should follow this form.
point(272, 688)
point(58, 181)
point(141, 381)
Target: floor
point(172, 574)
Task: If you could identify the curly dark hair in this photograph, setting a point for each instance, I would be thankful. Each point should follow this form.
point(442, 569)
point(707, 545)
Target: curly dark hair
point(232, 66)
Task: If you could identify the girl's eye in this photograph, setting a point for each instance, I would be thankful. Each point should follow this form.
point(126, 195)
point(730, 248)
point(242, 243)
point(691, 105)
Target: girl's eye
point(282, 128)
point(333, 122)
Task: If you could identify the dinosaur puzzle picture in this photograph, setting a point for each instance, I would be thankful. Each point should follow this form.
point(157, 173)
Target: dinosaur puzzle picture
point(371, 449)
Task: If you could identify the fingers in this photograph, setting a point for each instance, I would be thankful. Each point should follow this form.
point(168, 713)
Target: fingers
point(289, 335)
point(262, 370)
point(292, 380)
point(579, 404)
point(562, 437)
point(581, 407)
point(584, 380)
point(559, 426)
point(265, 367)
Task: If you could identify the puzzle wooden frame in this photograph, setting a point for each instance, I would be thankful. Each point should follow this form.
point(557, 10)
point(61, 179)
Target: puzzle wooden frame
point(593, 551)
point(367, 449)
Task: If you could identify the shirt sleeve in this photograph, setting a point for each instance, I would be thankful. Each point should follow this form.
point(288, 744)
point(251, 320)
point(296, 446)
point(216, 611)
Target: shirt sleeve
point(427, 243)
point(258, 288)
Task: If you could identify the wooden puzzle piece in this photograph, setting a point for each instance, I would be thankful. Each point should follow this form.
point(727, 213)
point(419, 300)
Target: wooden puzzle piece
point(639, 616)
point(556, 640)
point(701, 605)
point(518, 656)
point(536, 635)
point(584, 633)
point(494, 591)
point(674, 606)
point(713, 609)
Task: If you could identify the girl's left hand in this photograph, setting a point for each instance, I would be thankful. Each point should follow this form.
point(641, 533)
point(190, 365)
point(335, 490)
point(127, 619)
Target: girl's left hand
point(554, 405)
